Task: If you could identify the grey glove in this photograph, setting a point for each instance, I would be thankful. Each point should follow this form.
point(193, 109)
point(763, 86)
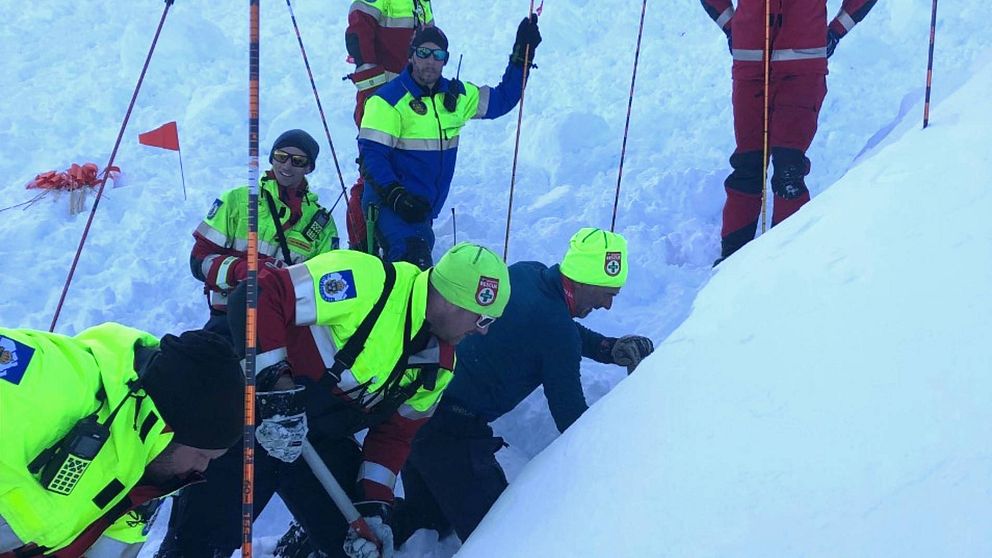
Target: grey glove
point(630, 350)
point(284, 423)
point(356, 546)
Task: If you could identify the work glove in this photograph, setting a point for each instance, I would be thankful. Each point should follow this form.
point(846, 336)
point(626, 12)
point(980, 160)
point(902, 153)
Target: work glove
point(356, 546)
point(284, 421)
point(832, 39)
point(410, 207)
point(630, 350)
point(527, 35)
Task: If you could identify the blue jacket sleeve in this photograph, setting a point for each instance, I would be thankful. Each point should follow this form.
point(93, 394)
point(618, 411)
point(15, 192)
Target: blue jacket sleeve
point(560, 376)
point(501, 99)
point(595, 345)
point(377, 138)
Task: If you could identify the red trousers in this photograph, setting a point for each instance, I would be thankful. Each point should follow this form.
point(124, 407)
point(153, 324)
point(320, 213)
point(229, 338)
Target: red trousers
point(793, 107)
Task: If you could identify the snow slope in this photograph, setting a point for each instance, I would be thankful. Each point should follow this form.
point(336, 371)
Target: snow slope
point(829, 395)
point(71, 68)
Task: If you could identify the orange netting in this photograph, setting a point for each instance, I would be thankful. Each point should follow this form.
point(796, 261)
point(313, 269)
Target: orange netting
point(73, 178)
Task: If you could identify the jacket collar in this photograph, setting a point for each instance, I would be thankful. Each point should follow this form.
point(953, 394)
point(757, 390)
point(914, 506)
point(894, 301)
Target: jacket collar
point(443, 84)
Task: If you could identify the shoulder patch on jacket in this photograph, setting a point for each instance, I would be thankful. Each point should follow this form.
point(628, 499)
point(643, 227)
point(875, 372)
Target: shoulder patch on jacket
point(214, 208)
point(337, 286)
point(14, 359)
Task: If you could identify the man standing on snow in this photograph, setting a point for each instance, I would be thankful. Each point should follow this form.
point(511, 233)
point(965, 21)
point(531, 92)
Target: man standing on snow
point(378, 41)
point(371, 345)
point(95, 428)
point(408, 140)
point(292, 225)
point(452, 477)
point(801, 42)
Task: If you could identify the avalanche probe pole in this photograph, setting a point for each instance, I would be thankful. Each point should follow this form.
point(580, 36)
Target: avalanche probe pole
point(341, 499)
point(516, 143)
point(764, 149)
point(933, 32)
point(106, 170)
point(248, 485)
point(320, 108)
point(626, 126)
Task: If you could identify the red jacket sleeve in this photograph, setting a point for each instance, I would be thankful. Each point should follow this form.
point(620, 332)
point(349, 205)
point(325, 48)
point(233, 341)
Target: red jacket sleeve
point(851, 13)
point(720, 11)
point(219, 268)
point(359, 37)
point(385, 450)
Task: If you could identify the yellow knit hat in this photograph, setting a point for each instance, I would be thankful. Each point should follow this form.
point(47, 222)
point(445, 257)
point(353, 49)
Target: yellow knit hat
point(474, 278)
point(596, 257)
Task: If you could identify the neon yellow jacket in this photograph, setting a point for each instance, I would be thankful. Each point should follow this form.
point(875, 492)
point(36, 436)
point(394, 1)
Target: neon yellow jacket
point(308, 312)
point(219, 255)
point(48, 382)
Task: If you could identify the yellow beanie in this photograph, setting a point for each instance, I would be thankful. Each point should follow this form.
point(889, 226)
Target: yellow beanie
point(474, 278)
point(596, 257)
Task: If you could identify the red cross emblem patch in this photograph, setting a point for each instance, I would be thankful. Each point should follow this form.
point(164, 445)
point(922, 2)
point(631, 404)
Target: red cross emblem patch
point(612, 265)
point(486, 293)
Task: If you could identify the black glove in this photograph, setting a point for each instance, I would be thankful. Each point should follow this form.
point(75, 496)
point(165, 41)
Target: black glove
point(528, 35)
point(410, 207)
point(630, 350)
point(832, 39)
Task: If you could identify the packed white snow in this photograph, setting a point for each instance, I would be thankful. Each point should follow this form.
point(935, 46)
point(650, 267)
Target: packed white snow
point(826, 282)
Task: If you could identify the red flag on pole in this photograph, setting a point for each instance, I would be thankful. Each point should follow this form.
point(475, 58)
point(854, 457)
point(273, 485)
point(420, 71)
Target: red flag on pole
point(165, 136)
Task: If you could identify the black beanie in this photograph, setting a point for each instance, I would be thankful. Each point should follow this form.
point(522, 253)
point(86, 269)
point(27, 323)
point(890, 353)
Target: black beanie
point(301, 140)
point(430, 34)
point(197, 385)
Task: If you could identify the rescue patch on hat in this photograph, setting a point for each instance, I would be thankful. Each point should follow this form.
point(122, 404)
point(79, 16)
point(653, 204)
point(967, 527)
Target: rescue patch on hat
point(337, 286)
point(14, 359)
point(612, 265)
point(214, 208)
point(486, 293)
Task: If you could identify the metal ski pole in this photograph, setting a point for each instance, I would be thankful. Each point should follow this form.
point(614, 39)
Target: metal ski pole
point(626, 126)
point(933, 33)
point(516, 142)
point(764, 149)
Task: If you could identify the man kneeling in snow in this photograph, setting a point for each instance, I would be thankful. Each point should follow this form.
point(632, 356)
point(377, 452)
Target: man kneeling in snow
point(452, 477)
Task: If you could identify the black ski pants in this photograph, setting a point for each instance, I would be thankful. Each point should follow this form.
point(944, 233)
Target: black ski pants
point(451, 478)
point(206, 517)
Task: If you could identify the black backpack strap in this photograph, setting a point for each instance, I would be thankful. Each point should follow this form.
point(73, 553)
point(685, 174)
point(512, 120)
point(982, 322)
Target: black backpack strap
point(346, 357)
point(286, 254)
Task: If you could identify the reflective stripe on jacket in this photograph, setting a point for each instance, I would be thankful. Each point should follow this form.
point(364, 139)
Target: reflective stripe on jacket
point(408, 136)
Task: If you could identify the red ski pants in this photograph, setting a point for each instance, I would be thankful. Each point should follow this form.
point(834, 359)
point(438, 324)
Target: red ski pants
point(793, 108)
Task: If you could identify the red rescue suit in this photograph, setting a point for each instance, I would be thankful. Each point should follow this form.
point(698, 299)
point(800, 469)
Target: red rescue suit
point(798, 32)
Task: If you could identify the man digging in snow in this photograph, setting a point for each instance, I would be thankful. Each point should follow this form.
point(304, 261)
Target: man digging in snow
point(452, 477)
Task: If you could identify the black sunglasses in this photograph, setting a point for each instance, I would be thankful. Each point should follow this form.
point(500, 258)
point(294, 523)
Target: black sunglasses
point(439, 54)
point(298, 161)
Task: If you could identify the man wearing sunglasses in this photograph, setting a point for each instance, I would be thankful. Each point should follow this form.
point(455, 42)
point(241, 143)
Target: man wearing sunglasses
point(292, 225)
point(378, 40)
point(452, 477)
point(408, 140)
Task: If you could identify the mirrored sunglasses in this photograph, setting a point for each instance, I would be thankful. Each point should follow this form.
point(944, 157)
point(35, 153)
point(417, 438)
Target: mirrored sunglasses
point(484, 321)
point(439, 54)
point(299, 161)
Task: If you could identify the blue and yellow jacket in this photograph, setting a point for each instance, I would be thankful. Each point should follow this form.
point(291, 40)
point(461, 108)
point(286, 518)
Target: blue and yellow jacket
point(408, 136)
